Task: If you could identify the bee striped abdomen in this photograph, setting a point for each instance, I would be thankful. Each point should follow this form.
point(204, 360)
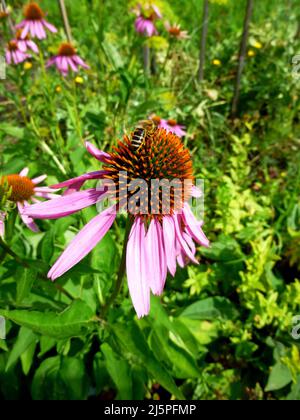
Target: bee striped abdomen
point(138, 138)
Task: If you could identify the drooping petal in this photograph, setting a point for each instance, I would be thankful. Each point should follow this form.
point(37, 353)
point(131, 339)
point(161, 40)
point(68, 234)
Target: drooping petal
point(192, 226)
point(80, 62)
point(65, 205)
point(169, 243)
point(83, 243)
point(26, 25)
point(181, 241)
point(28, 221)
point(48, 25)
point(98, 154)
point(82, 178)
point(136, 269)
point(156, 269)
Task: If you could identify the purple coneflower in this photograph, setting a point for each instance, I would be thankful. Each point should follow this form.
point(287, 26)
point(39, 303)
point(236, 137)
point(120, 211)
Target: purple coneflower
point(170, 125)
point(175, 31)
point(23, 190)
point(25, 44)
point(144, 23)
point(13, 54)
point(67, 59)
point(158, 240)
point(34, 22)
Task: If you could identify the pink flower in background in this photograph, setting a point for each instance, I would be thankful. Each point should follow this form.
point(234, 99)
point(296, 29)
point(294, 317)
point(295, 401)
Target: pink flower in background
point(13, 54)
point(158, 240)
point(26, 43)
point(67, 60)
point(23, 190)
point(170, 125)
point(175, 31)
point(34, 22)
point(144, 23)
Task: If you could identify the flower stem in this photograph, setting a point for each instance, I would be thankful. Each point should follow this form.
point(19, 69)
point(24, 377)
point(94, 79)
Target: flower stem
point(122, 268)
point(10, 252)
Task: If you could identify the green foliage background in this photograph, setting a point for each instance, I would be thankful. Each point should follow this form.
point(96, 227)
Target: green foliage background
point(222, 330)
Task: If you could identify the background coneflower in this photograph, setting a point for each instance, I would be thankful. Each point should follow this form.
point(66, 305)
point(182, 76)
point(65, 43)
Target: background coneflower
point(67, 59)
point(23, 190)
point(13, 54)
point(176, 32)
point(34, 22)
point(25, 43)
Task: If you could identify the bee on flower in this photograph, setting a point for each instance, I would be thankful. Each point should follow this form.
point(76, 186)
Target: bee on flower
point(160, 234)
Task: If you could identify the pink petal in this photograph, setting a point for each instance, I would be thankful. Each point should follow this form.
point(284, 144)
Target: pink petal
point(39, 179)
point(79, 61)
point(26, 30)
point(32, 45)
point(81, 178)
point(32, 29)
point(192, 226)
point(28, 221)
point(24, 172)
point(136, 269)
point(98, 154)
point(83, 243)
point(72, 64)
point(169, 241)
point(50, 27)
point(156, 258)
point(64, 206)
point(181, 241)
point(8, 57)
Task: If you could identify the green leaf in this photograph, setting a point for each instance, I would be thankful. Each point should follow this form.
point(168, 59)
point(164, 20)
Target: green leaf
point(27, 358)
point(60, 378)
point(132, 341)
point(25, 280)
point(12, 131)
point(280, 376)
point(25, 339)
point(211, 309)
point(47, 246)
point(72, 322)
point(120, 372)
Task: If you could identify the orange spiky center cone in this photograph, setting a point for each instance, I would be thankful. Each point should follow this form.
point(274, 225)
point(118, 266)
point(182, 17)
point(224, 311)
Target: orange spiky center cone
point(162, 157)
point(21, 187)
point(66, 49)
point(12, 46)
point(32, 11)
point(174, 30)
